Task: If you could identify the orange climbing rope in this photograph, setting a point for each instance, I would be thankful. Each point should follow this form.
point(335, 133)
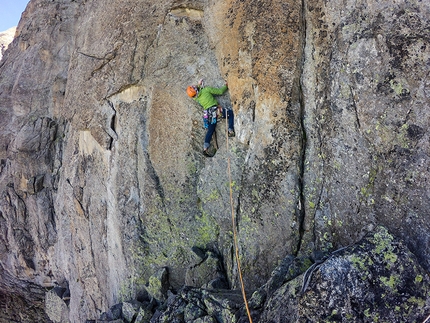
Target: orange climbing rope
point(236, 244)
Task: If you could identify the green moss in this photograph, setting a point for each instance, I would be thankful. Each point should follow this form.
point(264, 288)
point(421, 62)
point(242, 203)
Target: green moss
point(234, 186)
point(398, 88)
point(364, 191)
point(390, 282)
point(367, 191)
point(208, 230)
point(367, 312)
point(362, 264)
point(294, 286)
point(213, 196)
point(382, 241)
point(390, 257)
point(402, 136)
point(305, 264)
point(418, 279)
point(154, 283)
point(419, 302)
point(192, 168)
point(378, 124)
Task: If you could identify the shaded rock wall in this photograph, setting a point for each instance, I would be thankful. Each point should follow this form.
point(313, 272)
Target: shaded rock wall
point(102, 179)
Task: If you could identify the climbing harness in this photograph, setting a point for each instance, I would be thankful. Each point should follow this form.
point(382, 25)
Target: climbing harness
point(236, 244)
point(210, 116)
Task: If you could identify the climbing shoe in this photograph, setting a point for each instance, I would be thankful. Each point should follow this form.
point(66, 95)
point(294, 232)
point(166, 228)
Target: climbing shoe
point(207, 153)
point(231, 133)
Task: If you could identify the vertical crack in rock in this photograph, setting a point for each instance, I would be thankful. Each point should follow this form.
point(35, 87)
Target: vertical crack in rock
point(237, 213)
point(133, 58)
point(112, 126)
point(153, 174)
point(301, 207)
point(354, 105)
point(78, 196)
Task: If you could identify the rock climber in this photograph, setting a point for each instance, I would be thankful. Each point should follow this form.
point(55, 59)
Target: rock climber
point(212, 110)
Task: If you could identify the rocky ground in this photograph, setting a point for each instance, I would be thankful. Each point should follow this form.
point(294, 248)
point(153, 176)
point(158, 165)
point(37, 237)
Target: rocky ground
point(375, 280)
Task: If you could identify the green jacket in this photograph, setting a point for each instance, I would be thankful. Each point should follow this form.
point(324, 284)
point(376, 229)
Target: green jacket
point(205, 97)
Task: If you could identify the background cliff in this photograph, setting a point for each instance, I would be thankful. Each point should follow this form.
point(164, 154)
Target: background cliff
point(103, 181)
point(6, 38)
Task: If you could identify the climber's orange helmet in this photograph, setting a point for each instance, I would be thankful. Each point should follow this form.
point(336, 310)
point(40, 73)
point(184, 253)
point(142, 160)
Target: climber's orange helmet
point(191, 91)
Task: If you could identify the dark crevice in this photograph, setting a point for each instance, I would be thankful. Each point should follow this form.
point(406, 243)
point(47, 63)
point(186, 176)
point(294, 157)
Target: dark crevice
point(237, 214)
point(253, 110)
point(355, 108)
point(113, 121)
point(113, 129)
point(233, 265)
point(112, 126)
point(221, 263)
point(301, 210)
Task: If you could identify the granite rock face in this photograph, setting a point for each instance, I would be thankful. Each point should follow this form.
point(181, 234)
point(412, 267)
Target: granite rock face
point(102, 181)
point(366, 96)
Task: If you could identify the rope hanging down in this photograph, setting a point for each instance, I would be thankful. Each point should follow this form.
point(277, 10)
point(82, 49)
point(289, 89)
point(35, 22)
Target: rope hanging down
point(236, 244)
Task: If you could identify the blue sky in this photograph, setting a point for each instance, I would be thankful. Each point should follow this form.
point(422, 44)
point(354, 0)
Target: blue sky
point(10, 13)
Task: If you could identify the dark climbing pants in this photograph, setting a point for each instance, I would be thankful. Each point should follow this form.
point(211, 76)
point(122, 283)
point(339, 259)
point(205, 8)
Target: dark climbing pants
point(212, 126)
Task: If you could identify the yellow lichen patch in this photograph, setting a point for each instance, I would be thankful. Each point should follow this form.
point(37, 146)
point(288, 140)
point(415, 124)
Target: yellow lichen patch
point(390, 282)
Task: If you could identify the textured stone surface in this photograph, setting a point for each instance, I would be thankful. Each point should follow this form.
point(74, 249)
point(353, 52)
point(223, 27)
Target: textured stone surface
point(102, 180)
point(21, 301)
point(55, 307)
point(365, 88)
point(376, 280)
point(6, 38)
